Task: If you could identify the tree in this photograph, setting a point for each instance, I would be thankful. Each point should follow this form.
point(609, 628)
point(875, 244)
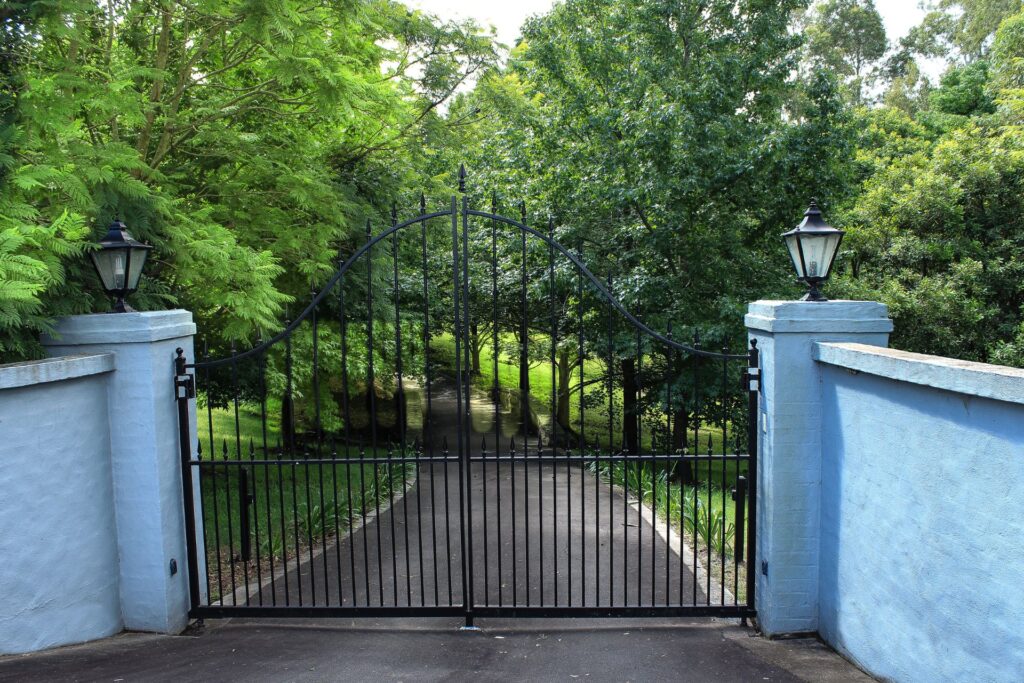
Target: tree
point(247, 141)
point(653, 132)
point(934, 230)
point(847, 37)
point(960, 29)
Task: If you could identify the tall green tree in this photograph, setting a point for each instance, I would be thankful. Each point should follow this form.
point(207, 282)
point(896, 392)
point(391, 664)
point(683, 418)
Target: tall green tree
point(654, 134)
point(848, 38)
point(246, 139)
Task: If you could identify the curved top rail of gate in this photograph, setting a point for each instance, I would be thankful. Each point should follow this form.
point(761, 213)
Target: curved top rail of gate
point(465, 212)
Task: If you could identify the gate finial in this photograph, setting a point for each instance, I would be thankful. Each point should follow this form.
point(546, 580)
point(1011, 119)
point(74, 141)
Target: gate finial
point(462, 178)
point(423, 204)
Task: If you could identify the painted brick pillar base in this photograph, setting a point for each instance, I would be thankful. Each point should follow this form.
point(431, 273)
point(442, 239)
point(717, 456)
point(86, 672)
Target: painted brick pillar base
point(145, 455)
point(789, 472)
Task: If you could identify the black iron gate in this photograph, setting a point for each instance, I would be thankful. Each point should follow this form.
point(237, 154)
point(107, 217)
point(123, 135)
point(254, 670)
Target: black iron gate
point(465, 421)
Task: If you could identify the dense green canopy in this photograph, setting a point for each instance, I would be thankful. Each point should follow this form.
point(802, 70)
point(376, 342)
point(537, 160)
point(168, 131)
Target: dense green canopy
point(670, 143)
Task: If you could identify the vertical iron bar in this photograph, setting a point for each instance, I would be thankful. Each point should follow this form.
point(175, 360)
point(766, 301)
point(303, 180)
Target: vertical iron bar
point(458, 402)
point(372, 388)
point(213, 479)
point(295, 529)
point(309, 529)
point(582, 443)
point(262, 366)
point(314, 323)
point(185, 445)
point(204, 516)
point(752, 482)
point(709, 513)
point(670, 374)
point(243, 516)
point(640, 472)
point(289, 430)
point(401, 408)
point(244, 536)
point(390, 468)
point(497, 415)
point(696, 451)
point(347, 416)
point(428, 425)
point(725, 439)
point(284, 530)
point(610, 369)
point(554, 435)
point(467, 520)
point(524, 376)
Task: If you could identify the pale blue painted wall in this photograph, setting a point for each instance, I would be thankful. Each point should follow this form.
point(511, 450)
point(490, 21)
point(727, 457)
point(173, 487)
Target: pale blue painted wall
point(91, 511)
point(58, 540)
point(144, 455)
point(789, 458)
point(921, 561)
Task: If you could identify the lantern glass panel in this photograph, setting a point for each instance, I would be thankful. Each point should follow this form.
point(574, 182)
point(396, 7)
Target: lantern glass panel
point(792, 243)
point(138, 259)
point(110, 265)
point(819, 253)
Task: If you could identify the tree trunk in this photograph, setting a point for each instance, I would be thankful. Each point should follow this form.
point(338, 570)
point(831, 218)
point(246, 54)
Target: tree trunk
point(680, 428)
point(400, 413)
point(288, 423)
point(630, 413)
point(524, 386)
point(524, 368)
point(474, 348)
point(562, 405)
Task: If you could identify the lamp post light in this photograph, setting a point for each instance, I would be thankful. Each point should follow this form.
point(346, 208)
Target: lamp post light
point(119, 262)
point(813, 246)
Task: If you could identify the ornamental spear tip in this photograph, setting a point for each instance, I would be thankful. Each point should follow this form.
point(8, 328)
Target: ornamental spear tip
point(462, 178)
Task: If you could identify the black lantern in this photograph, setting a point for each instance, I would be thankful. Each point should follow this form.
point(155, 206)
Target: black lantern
point(119, 262)
point(813, 246)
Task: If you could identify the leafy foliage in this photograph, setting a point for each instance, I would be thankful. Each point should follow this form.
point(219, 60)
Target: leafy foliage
point(245, 140)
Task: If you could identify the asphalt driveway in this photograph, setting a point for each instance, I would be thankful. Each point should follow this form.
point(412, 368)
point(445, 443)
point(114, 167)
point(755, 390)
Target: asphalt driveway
point(436, 650)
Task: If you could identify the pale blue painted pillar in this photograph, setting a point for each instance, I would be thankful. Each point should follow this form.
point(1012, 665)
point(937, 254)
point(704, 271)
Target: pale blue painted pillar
point(145, 455)
point(789, 473)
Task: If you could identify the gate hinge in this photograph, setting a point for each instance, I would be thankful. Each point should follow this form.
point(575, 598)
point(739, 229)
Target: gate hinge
point(752, 379)
point(185, 386)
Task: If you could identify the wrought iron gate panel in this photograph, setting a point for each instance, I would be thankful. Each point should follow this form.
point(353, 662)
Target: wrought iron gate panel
point(359, 463)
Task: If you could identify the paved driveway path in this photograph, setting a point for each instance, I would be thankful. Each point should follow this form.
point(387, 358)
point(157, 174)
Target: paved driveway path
point(434, 650)
point(542, 534)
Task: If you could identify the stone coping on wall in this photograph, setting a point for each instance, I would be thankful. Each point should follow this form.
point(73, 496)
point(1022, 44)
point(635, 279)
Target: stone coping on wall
point(996, 382)
point(804, 317)
point(120, 328)
point(14, 375)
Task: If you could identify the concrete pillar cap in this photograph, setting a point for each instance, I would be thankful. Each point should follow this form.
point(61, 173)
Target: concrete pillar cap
point(826, 317)
point(120, 328)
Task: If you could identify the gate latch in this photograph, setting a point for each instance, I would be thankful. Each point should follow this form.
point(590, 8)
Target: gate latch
point(752, 377)
point(185, 386)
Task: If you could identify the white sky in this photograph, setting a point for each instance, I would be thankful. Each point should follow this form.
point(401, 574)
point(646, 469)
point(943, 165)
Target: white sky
point(508, 15)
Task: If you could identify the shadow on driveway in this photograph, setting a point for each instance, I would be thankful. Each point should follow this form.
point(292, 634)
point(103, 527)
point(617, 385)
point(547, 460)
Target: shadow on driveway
point(435, 650)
